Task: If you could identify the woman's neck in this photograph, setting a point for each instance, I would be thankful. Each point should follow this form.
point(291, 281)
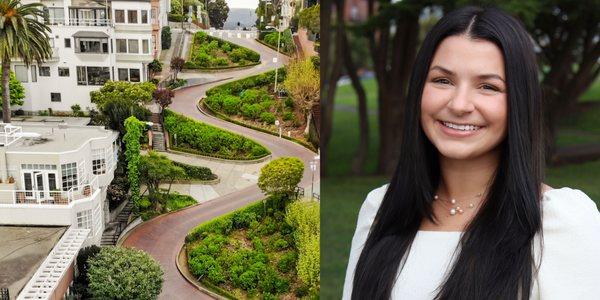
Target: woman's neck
point(466, 178)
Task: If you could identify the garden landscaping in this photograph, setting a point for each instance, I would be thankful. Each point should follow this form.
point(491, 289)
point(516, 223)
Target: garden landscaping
point(268, 249)
point(256, 251)
point(286, 44)
point(207, 52)
point(251, 102)
point(195, 137)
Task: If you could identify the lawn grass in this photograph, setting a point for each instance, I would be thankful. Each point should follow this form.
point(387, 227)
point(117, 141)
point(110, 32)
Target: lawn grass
point(593, 93)
point(343, 195)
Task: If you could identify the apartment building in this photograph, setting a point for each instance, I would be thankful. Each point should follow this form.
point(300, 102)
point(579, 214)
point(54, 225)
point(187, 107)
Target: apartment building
point(56, 175)
point(92, 42)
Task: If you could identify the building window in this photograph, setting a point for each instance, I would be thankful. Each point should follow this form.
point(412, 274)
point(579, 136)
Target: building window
point(132, 16)
point(68, 43)
point(119, 16)
point(45, 71)
point(69, 176)
point(63, 72)
point(37, 167)
point(98, 162)
point(121, 46)
point(33, 74)
point(134, 75)
point(56, 16)
point(81, 76)
point(145, 46)
point(21, 73)
point(133, 46)
point(144, 17)
point(92, 75)
point(84, 219)
point(123, 74)
point(55, 97)
point(90, 45)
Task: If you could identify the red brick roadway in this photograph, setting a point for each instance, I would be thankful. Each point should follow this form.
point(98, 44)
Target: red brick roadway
point(164, 236)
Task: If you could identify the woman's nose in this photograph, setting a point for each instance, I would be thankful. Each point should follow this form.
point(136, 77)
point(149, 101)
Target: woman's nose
point(460, 102)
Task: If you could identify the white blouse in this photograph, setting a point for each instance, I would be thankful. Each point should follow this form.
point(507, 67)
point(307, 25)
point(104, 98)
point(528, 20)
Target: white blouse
point(570, 268)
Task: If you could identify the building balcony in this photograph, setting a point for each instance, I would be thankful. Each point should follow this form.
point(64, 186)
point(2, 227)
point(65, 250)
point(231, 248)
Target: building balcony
point(79, 22)
point(47, 197)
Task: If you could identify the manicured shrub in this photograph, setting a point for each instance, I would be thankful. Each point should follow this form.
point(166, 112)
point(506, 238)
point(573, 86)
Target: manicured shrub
point(208, 140)
point(220, 61)
point(288, 116)
point(287, 262)
point(231, 105)
point(252, 96)
point(236, 54)
point(281, 176)
point(195, 172)
point(226, 47)
point(124, 273)
point(280, 244)
point(267, 117)
point(251, 111)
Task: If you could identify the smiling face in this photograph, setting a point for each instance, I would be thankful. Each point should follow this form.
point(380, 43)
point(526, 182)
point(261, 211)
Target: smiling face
point(464, 102)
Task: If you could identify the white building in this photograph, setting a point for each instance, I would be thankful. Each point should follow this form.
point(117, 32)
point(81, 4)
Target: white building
point(287, 12)
point(56, 175)
point(92, 42)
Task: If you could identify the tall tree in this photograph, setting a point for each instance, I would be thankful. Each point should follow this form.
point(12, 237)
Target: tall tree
point(567, 34)
point(23, 35)
point(217, 13)
point(302, 82)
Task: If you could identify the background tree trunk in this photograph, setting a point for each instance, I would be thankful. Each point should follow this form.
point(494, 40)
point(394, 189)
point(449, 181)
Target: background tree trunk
point(5, 91)
point(330, 73)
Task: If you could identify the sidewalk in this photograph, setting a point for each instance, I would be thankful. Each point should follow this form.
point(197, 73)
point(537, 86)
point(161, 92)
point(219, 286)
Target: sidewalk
point(233, 177)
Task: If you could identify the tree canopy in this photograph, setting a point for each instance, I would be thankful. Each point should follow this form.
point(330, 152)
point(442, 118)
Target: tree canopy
point(281, 176)
point(310, 18)
point(124, 273)
point(16, 89)
point(217, 13)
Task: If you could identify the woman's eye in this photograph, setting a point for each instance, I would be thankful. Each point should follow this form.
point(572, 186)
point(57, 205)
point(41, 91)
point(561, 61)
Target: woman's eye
point(490, 87)
point(441, 80)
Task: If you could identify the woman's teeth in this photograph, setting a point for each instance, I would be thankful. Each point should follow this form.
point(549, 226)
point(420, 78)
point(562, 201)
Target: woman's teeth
point(461, 127)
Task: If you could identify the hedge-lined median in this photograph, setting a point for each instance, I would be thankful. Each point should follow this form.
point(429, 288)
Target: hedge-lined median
point(192, 136)
point(209, 52)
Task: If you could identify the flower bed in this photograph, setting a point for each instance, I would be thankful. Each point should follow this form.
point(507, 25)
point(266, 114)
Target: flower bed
point(248, 253)
point(207, 52)
point(200, 138)
point(250, 101)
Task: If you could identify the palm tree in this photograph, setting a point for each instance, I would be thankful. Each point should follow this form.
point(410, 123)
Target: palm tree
point(23, 35)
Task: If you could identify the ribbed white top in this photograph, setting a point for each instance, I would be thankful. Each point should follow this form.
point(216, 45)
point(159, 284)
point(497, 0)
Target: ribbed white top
point(570, 267)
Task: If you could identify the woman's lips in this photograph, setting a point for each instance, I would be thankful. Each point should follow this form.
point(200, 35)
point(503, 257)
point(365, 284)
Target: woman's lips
point(452, 132)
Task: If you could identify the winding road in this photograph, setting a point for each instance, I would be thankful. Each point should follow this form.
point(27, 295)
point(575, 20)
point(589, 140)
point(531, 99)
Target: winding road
point(163, 237)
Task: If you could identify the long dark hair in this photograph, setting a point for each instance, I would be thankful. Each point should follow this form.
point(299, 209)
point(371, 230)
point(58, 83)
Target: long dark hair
point(496, 256)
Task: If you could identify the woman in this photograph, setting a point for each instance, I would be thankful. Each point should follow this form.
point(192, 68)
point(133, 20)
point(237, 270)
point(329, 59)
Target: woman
point(466, 215)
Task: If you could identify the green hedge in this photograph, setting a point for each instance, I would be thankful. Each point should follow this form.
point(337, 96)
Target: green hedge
point(195, 172)
point(287, 42)
point(264, 268)
point(209, 52)
point(208, 140)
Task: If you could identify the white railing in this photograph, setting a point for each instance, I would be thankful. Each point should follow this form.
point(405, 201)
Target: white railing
point(79, 22)
point(49, 197)
point(9, 134)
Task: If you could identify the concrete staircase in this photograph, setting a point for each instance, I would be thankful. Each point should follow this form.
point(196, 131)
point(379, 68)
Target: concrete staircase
point(158, 136)
point(113, 229)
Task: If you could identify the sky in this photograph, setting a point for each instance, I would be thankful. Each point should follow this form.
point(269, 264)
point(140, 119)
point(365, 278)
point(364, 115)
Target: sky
point(242, 3)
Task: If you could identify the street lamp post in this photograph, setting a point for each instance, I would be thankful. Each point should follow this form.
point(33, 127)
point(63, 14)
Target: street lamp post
point(278, 124)
point(313, 168)
point(277, 59)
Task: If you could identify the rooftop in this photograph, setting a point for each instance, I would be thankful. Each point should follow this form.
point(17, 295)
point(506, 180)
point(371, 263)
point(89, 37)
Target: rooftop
point(55, 137)
point(22, 251)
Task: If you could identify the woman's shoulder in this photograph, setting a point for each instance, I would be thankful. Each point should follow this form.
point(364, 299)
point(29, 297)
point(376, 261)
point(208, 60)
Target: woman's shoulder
point(373, 200)
point(567, 209)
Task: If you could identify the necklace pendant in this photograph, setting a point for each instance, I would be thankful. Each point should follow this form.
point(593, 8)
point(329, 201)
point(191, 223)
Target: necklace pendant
point(452, 211)
point(471, 205)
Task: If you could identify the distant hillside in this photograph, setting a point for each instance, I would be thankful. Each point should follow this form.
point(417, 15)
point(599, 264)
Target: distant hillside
point(245, 16)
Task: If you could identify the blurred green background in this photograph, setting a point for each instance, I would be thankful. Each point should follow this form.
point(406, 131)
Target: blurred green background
point(343, 195)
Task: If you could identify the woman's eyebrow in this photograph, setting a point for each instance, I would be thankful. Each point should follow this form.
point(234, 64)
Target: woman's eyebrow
point(482, 76)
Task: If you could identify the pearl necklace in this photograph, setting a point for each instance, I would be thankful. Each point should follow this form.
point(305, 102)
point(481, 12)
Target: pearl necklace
point(455, 208)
